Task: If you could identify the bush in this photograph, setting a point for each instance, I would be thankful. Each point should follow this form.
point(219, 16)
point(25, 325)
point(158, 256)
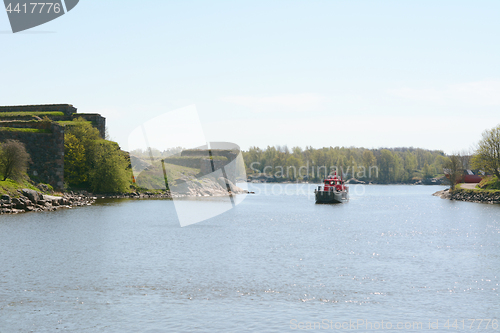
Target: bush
point(490, 183)
point(111, 171)
point(13, 160)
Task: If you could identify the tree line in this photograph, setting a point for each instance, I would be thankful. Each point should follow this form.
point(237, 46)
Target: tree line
point(385, 165)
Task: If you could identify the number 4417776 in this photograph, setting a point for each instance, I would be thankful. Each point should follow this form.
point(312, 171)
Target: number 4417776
point(34, 8)
point(472, 323)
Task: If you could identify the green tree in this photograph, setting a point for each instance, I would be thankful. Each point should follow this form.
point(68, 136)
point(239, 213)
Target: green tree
point(83, 130)
point(79, 142)
point(254, 154)
point(386, 164)
point(75, 167)
point(487, 155)
point(369, 161)
point(410, 165)
point(341, 166)
point(396, 164)
point(292, 167)
point(398, 168)
point(453, 169)
point(439, 163)
point(13, 159)
point(110, 172)
point(92, 162)
point(428, 171)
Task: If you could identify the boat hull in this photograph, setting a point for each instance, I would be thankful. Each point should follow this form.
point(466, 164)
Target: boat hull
point(327, 197)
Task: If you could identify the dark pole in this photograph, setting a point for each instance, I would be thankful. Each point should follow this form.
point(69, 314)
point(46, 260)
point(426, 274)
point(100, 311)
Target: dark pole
point(164, 174)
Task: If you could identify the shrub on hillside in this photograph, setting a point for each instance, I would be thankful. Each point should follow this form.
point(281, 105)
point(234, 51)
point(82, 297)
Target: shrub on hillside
point(490, 183)
point(94, 163)
point(13, 160)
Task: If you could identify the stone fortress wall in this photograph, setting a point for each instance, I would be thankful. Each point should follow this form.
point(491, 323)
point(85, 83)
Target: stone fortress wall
point(44, 140)
point(67, 109)
point(30, 112)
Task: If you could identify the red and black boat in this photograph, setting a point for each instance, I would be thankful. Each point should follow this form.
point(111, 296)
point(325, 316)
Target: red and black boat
point(333, 191)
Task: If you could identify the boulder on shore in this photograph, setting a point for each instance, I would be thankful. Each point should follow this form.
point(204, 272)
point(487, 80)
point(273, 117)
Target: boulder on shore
point(444, 194)
point(30, 200)
point(355, 181)
point(6, 198)
point(31, 194)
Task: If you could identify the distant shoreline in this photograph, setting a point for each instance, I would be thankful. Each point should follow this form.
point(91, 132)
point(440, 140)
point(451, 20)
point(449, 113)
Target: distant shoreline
point(432, 181)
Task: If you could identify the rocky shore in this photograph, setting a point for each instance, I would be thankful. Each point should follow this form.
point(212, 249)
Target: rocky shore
point(136, 195)
point(470, 195)
point(33, 201)
point(205, 186)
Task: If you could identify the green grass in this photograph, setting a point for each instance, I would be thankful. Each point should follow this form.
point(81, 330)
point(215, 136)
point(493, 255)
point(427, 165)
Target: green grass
point(10, 187)
point(490, 183)
point(25, 114)
point(153, 177)
point(71, 122)
point(25, 130)
point(177, 171)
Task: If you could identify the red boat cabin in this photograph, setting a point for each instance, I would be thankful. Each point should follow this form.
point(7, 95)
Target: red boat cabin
point(333, 183)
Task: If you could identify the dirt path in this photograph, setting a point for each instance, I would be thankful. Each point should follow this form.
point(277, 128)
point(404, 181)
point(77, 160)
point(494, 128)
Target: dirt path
point(469, 186)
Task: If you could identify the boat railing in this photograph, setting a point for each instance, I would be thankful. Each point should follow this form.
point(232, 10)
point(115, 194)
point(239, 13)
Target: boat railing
point(332, 189)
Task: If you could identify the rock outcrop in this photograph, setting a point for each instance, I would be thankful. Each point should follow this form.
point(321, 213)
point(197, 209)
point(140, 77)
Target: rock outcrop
point(33, 201)
point(355, 181)
point(205, 186)
point(432, 181)
point(470, 195)
point(444, 194)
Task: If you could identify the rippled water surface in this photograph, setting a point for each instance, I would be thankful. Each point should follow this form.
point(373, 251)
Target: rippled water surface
point(274, 263)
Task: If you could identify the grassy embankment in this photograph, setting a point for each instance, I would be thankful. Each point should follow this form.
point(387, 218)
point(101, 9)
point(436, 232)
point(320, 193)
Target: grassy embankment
point(152, 177)
point(11, 187)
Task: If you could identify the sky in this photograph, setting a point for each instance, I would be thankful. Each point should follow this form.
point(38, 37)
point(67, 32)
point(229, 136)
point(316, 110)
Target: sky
point(298, 73)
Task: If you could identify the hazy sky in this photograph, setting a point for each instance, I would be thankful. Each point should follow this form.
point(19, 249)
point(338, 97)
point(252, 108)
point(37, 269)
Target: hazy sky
point(321, 73)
